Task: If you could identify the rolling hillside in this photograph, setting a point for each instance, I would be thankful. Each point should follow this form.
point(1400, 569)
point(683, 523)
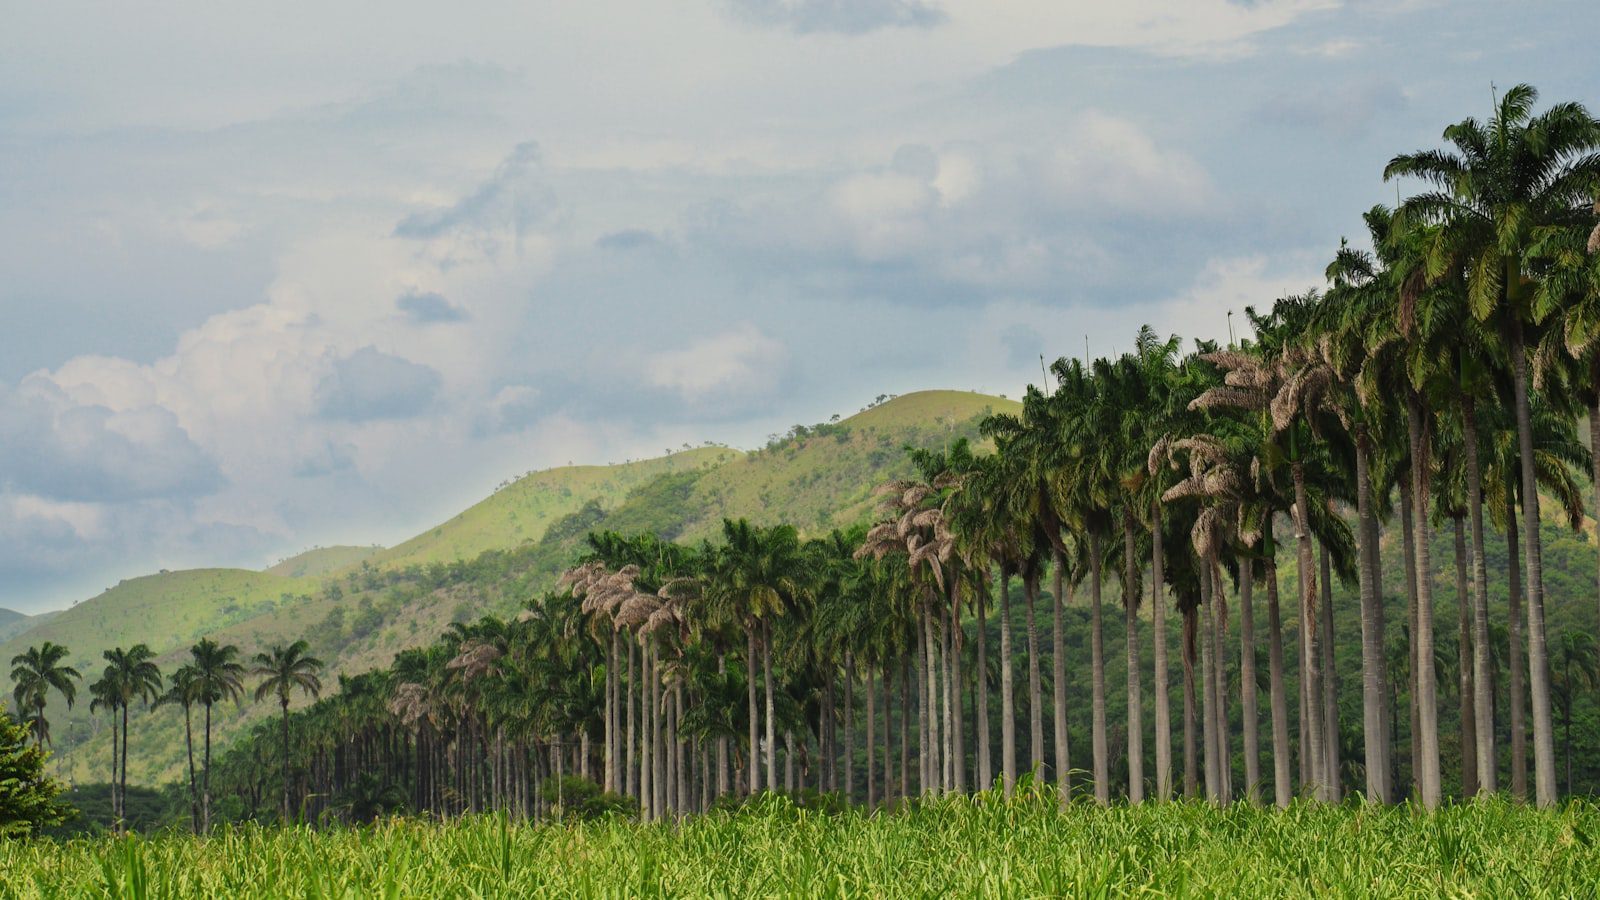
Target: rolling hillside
point(322, 560)
point(359, 606)
point(13, 622)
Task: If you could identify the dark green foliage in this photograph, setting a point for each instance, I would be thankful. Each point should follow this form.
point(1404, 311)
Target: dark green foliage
point(29, 799)
point(582, 800)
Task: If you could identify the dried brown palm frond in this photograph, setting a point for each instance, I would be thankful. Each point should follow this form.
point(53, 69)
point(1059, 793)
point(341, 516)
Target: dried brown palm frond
point(1594, 236)
point(666, 616)
point(1202, 449)
point(1231, 360)
point(476, 659)
point(1160, 452)
point(950, 480)
point(1216, 397)
point(409, 703)
point(1299, 394)
point(636, 610)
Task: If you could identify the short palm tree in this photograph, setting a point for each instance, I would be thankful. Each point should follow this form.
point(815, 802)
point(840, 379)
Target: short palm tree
point(283, 669)
point(1577, 666)
point(35, 674)
point(183, 689)
point(131, 675)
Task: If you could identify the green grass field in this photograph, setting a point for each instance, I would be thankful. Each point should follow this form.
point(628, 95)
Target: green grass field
point(956, 848)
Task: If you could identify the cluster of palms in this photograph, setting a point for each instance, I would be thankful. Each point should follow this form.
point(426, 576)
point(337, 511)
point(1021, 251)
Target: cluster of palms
point(131, 676)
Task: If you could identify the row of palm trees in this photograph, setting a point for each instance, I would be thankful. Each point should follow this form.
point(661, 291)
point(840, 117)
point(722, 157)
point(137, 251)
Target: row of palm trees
point(1433, 387)
point(131, 676)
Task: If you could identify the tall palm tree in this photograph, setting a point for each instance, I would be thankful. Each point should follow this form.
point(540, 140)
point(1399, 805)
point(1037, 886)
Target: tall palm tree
point(183, 689)
point(35, 673)
point(1505, 181)
point(219, 676)
point(283, 670)
point(132, 675)
point(104, 698)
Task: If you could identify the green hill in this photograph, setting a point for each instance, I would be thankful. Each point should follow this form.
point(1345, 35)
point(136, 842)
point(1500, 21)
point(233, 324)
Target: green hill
point(322, 560)
point(520, 511)
point(14, 623)
point(358, 607)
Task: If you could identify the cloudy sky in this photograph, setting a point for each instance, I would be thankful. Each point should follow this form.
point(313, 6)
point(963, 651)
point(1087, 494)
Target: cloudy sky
point(308, 273)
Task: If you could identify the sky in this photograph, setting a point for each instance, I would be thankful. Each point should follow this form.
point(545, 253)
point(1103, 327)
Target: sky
point(293, 274)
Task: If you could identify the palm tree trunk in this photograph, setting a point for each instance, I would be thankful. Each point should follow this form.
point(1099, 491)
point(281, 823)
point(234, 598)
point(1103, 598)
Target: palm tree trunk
point(1190, 747)
point(772, 727)
point(1373, 680)
point(1030, 590)
point(924, 713)
point(1483, 702)
point(1208, 696)
point(753, 785)
point(1544, 756)
point(872, 726)
point(205, 776)
point(981, 707)
point(1282, 787)
point(850, 726)
point(1247, 682)
point(1219, 632)
point(188, 744)
point(647, 734)
point(283, 703)
point(1130, 620)
point(122, 790)
point(1008, 696)
point(1427, 689)
point(1158, 622)
point(1058, 689)
point(1409, 551)
point(1515, 683)
point(1097, 666)
point(1464, 692)
point(905, 726)
point(956, 726)
point(724, 783)
point(1330, 682)
point(1311, 686)
point(630, 756)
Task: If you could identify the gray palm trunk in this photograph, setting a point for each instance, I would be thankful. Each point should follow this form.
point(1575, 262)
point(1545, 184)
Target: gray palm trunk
point(956, 726)
point(1190, 750)
point(647, 753)
point(1130, 617)
point(1219, 663)
point(1008, 693)
point(1247, 683)
point(631, 751)
point(772, 726)
point(205, 778)
point(1427, 763)
point(924, 716)
point(1030, 590)
point(1374, 683)
point(1483, 697)
point(1097, 664)
point(931, 646)
point(1278, 698)
point(1464, 693)
point(1158, 623)
point(985, 760)
point(723, 785)
point(1544, 748)
point(1409, 553)
point(1517, 681)
point(1594, 442)
point(849, 751)
point(611, 714)
point(1208, 694)
point(1058, 661)
point(1312, 753)
point(871, 728)
point(1330, 683)
point(905, 725)
point(188, 743)
point(754, 784)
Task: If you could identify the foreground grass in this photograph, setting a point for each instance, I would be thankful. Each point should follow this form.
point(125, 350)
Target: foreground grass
point(955, 848)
